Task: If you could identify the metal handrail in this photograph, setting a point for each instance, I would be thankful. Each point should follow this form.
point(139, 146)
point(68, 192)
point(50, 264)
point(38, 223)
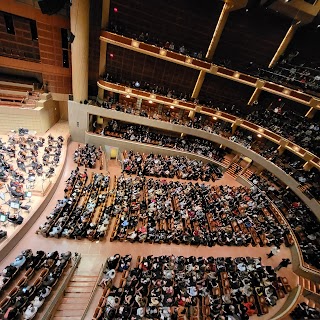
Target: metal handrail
point(49, 312)
point(103, 266)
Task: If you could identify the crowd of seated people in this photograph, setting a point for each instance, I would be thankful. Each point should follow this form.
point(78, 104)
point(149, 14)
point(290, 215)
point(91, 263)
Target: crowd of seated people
point(144, 134)
point(28, 281)
point(303, 312)
point(160, 211)
point(176, 287)
point(151, 39)
point(113, 265)
point(303, 222)
point(169, 167)
point(300, 130)
point(289, 124)
point(83, 211)
point(286, 71)
point(87, 155)
point(264, 147)
point(294, 76)
point(146, 86)
point(293, 165)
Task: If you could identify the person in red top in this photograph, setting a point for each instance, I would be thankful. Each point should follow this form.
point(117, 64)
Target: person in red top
point(250, 308)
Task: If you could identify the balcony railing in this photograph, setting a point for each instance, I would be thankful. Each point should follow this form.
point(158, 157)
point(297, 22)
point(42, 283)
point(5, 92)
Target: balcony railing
point(306, 155)
point(208, 67)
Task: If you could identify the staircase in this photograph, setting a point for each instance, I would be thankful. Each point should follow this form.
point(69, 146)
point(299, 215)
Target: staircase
point(310, 285)
point(234, 170)
point(76, 297)
point(226, 162)
point(247, 174)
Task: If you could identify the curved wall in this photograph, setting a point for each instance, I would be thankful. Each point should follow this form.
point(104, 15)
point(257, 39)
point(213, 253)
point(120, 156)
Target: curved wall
point(79, 124)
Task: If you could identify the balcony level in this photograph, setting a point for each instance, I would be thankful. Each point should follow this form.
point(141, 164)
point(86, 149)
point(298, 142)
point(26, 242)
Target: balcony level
point(256, 83)
point(309, 158)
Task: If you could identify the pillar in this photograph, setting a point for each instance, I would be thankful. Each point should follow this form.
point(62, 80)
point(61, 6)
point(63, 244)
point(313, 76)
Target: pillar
point(213, 45)
point(235, 125)
point(191, 114)
point(255, 96)
point(102, 58)
point(101, 93)
point(307, 166)
point(103, 44)
point(281, 150)
point(79, 19)
point(311, 112)
point(284, 44)
point(105, 14)
point(218, 30)
point(198, 85)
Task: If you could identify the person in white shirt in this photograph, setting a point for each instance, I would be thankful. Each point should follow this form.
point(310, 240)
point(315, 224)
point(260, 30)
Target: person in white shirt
point(30, 312)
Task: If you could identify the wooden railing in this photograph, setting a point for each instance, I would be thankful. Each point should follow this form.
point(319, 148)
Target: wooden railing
point(208, 67)
point(49, 312)
point(290, 146)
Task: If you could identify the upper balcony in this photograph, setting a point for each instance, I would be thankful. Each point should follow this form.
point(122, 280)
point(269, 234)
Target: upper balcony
point(284, 144)
point(207, 67)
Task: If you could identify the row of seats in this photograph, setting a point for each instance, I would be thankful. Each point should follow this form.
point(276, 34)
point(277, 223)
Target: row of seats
point(169, 167)
point(82, 214)
point(302, 221)
point(177, 287)
point(160, 211)
point(28, 281)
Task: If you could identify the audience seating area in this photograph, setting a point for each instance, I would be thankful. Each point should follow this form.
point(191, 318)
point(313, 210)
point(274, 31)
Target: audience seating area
point(272, 120)
point(169, 167)
point(83, 213)
point(303, 311)
point(309, 180)
point(266, 148)
point(177, 287)
point(158, 211)
point(294, 76)
point(87, 156)
point(144, 134)
point(289, 125)
point(302, 221)
point(27, 282)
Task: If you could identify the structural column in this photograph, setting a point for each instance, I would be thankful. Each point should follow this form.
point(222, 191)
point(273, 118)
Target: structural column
point(103, 44)
point(218, 30)
point(198, 85)
point(213, 45)
point(256, 93)
point(79, 18)
point(284, 44)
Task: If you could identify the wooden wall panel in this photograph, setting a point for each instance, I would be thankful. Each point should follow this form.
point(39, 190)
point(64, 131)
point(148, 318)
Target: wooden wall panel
point(19, 45)
point(46, 50)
